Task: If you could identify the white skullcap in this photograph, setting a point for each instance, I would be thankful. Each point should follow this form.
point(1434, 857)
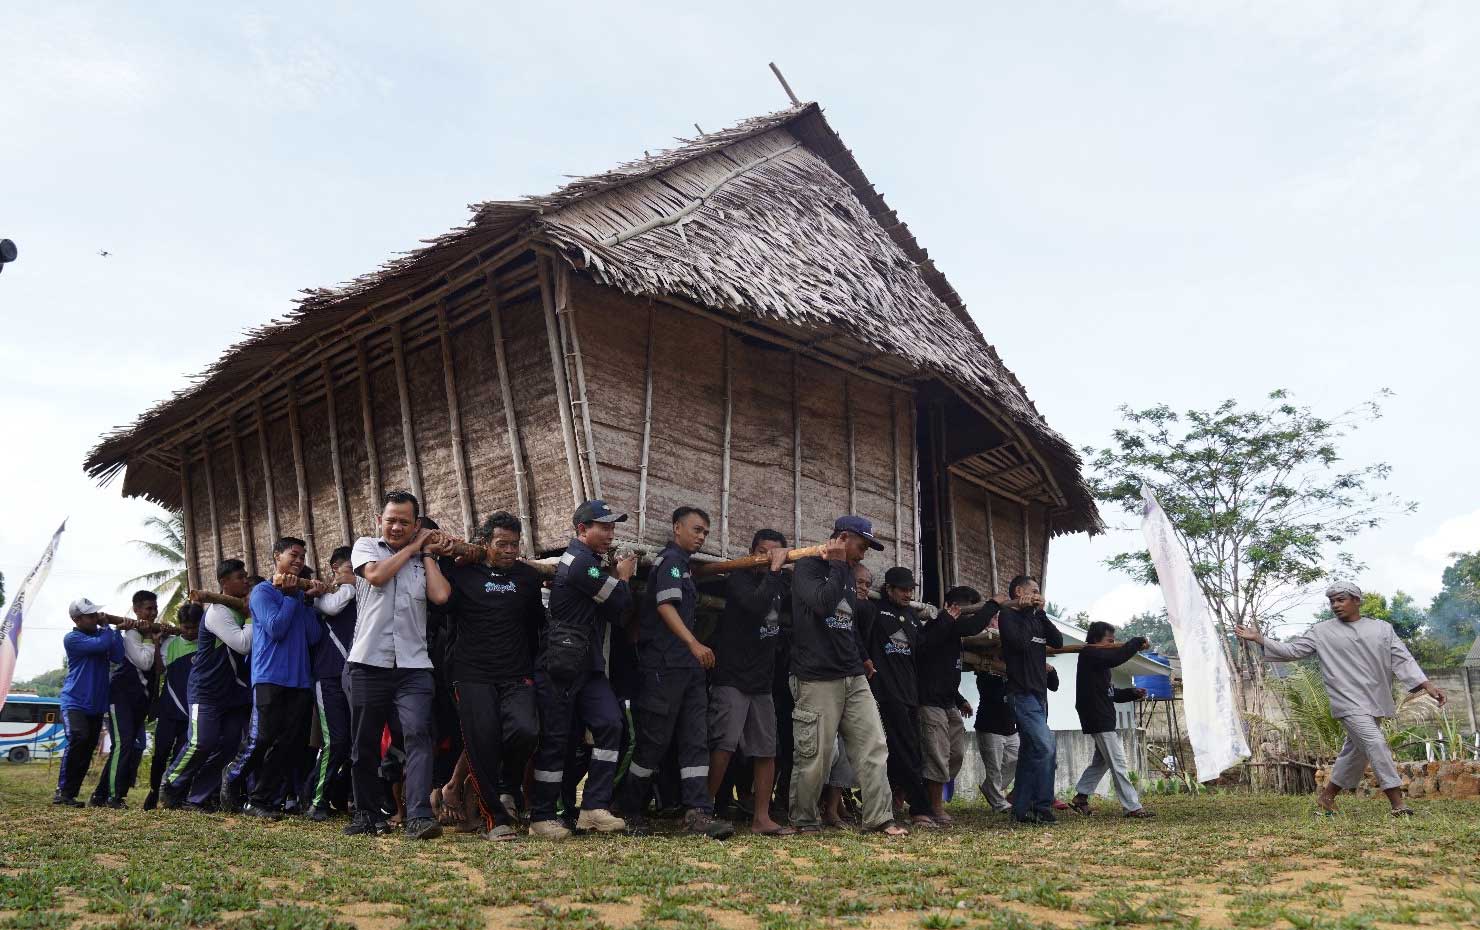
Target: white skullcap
point(1344, 587)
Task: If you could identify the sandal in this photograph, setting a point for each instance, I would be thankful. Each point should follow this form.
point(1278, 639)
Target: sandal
point(1398, 813)
point(777, 830)
point(1081, 806)
point(890, 828)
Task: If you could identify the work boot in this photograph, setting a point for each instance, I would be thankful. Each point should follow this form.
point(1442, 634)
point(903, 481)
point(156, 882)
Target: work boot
point(703, 823)
point(362, 824)
point(602, 821)
point(549, 830)
point(231, 795)
point(62, 800)
point(318, 814)
point(423, 828)
point(151, 800)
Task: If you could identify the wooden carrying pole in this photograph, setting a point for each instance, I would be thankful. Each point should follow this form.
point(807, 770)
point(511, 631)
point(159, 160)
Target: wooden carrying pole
point(705, 569)
point(408, 433)
point(516, 449)
point(346, 536)
point(562, 390)
point(454, 420)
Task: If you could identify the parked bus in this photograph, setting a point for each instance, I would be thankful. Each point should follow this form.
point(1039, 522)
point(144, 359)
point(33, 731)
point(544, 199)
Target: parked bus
point(31, 728)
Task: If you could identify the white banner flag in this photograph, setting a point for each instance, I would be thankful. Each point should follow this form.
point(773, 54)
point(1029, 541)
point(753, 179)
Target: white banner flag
point(15, 617)
point(1208, 700)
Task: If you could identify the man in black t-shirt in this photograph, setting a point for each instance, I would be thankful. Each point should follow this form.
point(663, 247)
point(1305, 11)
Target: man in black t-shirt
point(1095, 697)
point(496, 615)
point(742, 714)
point(1027, 633)
point(892, 642)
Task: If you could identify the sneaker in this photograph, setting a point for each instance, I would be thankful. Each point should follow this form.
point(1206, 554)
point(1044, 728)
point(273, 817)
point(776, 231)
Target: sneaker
point(602, 821)
point(151, 801)
point(318, 814)
point(423, 828)
point(702, 822)
point(501, 831)
point(262, 813)
point(231, 795)
point(549, 830)
point(61, 800)
point(362, 824)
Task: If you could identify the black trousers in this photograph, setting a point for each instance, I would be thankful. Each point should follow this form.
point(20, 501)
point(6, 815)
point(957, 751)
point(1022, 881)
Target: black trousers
point(377, 694)
point(499, 730)
point(276, 734)
point(785, 742)
point(671, 711)
point(566, 712)
point(126, 719)
point(328, 781)
point(169, 739)
point(83, 730)
point(906, 762)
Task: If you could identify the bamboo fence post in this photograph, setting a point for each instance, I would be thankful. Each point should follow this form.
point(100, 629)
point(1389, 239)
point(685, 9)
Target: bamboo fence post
point(796, 445)
point(408, 432)
point(187, 516)
point(300, 475)
point(894, 464)
point(454, 420)
point(516, 450)
point(205, 451)
point(249, 546)
point(331, 407)
point(992, 543)
point(367, 416)
point(852, 450)
point(724, 494)
point(272, 521)
point(565, 312)
point(647, 426)
point(562, 391)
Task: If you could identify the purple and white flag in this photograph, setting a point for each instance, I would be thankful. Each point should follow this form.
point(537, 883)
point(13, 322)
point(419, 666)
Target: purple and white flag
point(10, 628)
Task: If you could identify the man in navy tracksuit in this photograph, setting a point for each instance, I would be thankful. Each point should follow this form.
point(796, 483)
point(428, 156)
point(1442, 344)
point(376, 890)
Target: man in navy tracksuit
point(218, 695)
point(171, 708)
point(284, 628)
point(673, 706)
point(90, 647)
point(129, 688)
point(571, 687)
point(328, 783)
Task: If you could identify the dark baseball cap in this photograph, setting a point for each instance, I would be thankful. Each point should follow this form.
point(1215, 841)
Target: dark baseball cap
point(597, 512)
point(860, 526)
point(900, 577)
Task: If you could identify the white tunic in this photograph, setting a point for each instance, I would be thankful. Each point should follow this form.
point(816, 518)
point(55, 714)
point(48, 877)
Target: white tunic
point(1358, 662)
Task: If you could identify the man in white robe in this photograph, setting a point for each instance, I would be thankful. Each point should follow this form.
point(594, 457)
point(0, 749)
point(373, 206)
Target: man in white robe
point(1359, 657)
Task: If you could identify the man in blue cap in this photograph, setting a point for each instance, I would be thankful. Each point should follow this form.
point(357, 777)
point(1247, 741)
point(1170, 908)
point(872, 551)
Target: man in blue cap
point(830, 685)
point(571, 686)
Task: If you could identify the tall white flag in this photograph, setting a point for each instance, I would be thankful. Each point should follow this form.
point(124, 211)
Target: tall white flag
point(1208, 700)
point(15, 617)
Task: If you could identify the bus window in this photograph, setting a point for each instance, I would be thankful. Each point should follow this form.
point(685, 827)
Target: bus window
point(15, 712)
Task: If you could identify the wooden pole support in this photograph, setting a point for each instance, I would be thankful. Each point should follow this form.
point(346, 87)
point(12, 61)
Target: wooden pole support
point(367, 417)
point(647, 426)
point(724, 494)
point(562, 390)
point(205, 453)
point(187, 517)
point(516, 448)
point(454, 420)
point(243, 504)
point(408, 432)
point(272, 518)
point(300, 475)
point(341, 499)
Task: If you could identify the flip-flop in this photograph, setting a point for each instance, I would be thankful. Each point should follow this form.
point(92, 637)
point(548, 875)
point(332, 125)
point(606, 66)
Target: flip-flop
point(1401, 812)
point(777, 830)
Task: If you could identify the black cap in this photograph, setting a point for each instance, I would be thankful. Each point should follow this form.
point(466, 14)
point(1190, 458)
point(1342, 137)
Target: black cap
point(596, 512)
point(900, 577)
point(859, 526)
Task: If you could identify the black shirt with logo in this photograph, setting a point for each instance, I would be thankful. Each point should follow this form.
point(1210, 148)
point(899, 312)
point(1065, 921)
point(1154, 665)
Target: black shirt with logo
point(751, 630)
point(939, 653)
point(892, 643)
point(825, 640)
point(669, 582)
point(496, 618)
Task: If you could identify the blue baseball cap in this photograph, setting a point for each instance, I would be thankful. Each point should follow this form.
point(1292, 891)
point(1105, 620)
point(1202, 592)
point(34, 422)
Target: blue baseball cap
point(597, 511)
point(859, 526)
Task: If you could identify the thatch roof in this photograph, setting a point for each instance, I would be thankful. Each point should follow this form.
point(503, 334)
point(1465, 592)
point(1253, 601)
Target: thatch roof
point(771, 219)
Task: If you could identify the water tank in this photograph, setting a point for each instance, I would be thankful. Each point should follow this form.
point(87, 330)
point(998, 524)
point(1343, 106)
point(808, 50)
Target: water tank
point(1158, 687)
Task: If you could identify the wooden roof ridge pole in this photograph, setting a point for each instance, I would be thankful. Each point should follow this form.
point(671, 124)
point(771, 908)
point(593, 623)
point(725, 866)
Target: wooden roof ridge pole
point(796, 444)
point(894, 465)
point(785, 86)
point(272, 521)
point(852, 449)
point(249, 547)
point(565, 312)
point(724, 493)
point(647, 425)
point(205, 453)
point(991, 544)
point(331, 407)
point(300, 476)
point(408, 431)
point(367, 416)
point(562, 392)
point(187, 517)
point(454, 420)
point(516, 448)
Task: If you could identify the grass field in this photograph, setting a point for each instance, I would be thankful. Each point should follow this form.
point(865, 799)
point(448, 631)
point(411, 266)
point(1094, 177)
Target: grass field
point(1225, 861)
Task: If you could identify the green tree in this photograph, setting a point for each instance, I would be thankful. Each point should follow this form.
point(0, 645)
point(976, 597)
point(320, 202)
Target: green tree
point(47, 684)
point(170, 581)
point(1455, 611)
point(1257, 498)
point(1155, 627)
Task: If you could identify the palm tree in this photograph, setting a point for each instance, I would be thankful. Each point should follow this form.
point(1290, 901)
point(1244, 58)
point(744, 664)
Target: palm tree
point(170, 581)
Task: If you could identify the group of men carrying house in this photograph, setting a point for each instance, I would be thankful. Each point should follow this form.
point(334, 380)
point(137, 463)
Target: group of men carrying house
point(434, 664)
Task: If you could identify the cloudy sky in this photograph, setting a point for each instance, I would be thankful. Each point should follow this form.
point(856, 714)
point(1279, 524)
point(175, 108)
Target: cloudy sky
point(1141, 202)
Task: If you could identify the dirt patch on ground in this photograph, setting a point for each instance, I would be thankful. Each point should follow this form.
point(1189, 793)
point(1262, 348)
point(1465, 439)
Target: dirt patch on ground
point(367, 916)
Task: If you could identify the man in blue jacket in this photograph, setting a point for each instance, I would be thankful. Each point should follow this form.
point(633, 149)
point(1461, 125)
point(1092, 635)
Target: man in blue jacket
point(90, 647)
point(284, 628)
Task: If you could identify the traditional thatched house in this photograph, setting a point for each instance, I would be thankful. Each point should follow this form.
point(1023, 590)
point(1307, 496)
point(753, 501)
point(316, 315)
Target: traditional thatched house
point(740, 323)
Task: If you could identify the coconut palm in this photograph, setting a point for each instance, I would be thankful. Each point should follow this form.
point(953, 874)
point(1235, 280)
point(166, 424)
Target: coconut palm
point(170, 581)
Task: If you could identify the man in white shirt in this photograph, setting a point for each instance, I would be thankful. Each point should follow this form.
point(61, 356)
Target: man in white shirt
point(1359, 658)
point(389, 667)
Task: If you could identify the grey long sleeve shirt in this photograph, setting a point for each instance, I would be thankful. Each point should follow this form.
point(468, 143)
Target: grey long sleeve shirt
point(1358, 662)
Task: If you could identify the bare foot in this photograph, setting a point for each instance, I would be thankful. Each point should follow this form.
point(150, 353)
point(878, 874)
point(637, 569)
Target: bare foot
point(893, 829)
